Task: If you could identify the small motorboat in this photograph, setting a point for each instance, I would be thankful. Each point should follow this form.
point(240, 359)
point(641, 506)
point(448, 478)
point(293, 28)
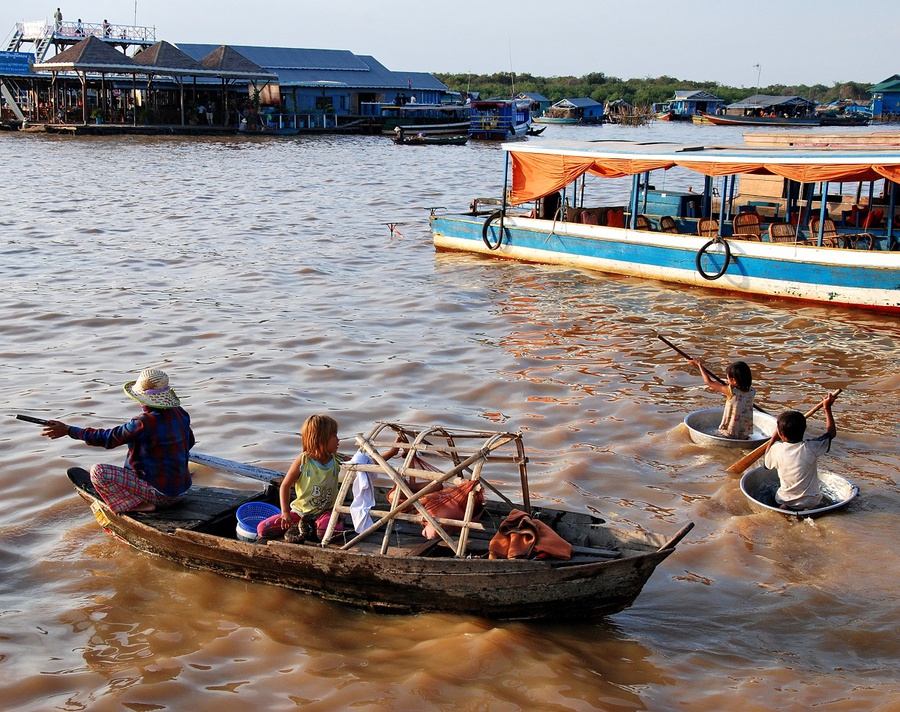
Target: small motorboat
point(759, 486)
point(703, 425)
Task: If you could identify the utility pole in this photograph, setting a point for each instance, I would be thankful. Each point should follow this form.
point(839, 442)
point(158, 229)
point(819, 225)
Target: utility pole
point(758, 72)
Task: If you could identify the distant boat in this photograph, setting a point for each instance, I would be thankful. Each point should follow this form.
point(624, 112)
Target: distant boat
point(556, 120)
point(428, 119)
point(499, 119)
point(721, 120)
point(426, 140)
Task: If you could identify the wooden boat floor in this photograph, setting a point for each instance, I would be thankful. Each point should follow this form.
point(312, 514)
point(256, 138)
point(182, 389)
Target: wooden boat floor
point(211, 510)
point(200, 507)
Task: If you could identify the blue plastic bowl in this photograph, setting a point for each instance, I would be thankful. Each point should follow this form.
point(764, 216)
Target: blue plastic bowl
point(249, 515)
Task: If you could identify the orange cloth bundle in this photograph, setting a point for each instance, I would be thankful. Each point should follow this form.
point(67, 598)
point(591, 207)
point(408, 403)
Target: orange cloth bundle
point(451, 504)
point(521, 537)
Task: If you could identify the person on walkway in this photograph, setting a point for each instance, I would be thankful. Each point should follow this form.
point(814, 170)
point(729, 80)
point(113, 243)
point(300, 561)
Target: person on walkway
point(159, 440)
point(57, 19)
point(106, 28)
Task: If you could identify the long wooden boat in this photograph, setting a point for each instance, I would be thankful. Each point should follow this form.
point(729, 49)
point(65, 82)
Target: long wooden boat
point(611, 239)
point(563, 120)
point(703, 427)
point(428, 119)
point(389, 566)
point(759, 486)
point(724, 120)
point(499, 119)
point(426, 140)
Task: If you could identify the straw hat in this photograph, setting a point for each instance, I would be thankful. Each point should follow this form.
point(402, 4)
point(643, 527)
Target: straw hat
point(152, 389)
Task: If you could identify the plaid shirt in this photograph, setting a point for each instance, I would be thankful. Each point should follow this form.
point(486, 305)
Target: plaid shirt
point(158, 440)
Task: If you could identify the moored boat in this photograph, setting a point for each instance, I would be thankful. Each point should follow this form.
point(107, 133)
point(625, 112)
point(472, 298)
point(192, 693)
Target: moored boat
point(499, 119)
point(683, 238)
point(426, 140)
point(703, 427)
point(389, 565)
point(759, 486)
point(428, 119)
point(724, 120)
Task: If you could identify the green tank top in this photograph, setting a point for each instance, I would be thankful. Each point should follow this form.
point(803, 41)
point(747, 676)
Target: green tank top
point(316, 487)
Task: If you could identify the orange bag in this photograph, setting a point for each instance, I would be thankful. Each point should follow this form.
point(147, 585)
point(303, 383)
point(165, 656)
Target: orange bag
point(521, 537)
point(451, 504)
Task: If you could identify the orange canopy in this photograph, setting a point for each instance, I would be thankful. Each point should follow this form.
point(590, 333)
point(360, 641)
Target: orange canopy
point(536, 174)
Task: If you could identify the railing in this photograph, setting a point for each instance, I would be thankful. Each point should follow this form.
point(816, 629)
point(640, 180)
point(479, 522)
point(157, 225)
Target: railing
point(35, 31)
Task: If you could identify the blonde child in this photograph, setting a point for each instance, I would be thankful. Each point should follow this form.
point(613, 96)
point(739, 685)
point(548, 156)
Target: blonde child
point(737, 420)
point(310, 485)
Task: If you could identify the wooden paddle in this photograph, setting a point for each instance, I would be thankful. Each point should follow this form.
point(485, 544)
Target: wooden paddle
point(30, 419)
point(239, 468)
point(753, 456)
point(705, 368)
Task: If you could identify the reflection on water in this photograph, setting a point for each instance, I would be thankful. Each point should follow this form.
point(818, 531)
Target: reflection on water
point(263, 276)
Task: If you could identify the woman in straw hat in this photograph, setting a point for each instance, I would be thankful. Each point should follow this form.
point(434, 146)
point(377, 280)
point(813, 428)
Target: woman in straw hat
point(159, 439)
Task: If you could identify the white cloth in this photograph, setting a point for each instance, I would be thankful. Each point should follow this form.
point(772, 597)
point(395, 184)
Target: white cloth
point(363, 494)
point(797, 471)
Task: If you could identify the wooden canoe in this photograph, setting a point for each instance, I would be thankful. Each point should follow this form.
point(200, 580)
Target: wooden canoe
point(759, 486)
point(404, 572)
point(703, 426)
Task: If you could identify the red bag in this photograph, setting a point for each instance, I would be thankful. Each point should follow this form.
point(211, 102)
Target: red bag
point(451, 504)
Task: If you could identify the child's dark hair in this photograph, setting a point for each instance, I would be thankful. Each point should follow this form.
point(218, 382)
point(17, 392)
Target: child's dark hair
point(792, 425)
point(740, 372)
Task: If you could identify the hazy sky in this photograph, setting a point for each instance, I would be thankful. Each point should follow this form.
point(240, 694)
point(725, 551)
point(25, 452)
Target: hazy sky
point(792, 41)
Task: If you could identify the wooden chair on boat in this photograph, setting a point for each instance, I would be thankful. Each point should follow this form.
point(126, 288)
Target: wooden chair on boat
point(667, 224)
point(707, 227)
point(641, 223)
point(832, 238)
point(830, 235)
point(784, 232)
point(746, 226)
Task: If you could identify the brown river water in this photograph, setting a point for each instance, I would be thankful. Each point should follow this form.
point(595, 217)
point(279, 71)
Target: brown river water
point(262, 275)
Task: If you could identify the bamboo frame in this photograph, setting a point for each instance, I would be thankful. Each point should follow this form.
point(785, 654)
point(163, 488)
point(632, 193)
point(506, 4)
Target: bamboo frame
point(467, 462)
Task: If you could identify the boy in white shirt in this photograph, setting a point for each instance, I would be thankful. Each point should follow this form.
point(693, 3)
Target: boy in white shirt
point(795, 458)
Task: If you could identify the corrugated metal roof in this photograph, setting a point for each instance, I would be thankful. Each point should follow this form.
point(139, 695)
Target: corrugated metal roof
point(582, 102)
point(421, 80)
point(696, 94)
point(763, 100)
point(322, 67)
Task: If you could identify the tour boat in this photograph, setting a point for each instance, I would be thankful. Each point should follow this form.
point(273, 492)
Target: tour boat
point(687, 237)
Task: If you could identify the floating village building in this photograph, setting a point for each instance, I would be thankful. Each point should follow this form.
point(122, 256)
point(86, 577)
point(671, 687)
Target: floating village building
point(67, 72)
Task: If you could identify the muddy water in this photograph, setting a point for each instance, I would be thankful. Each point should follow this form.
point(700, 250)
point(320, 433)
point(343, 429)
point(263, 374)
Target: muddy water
point(263, 277)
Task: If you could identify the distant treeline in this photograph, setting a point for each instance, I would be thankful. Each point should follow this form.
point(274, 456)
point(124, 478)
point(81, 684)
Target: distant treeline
point(638, 92)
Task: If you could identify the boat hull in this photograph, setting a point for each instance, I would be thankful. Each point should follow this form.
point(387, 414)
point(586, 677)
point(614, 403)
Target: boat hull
point(722, 120)
point(703, 426)
point(491, 588)
point(759, 486)
point(857, 278)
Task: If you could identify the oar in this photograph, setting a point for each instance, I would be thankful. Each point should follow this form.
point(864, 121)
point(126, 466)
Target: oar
point(753, 456)
point(30, 419)
point(239, 468)
point(705, 368)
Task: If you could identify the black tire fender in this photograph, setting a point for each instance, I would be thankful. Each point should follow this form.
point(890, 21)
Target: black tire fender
point(698, 261)
point(485, 229)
